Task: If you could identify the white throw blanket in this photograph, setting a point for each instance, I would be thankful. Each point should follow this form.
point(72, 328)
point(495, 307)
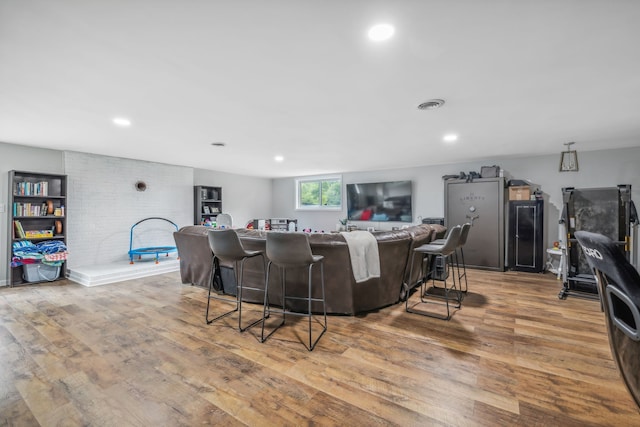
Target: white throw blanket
point(363, 249)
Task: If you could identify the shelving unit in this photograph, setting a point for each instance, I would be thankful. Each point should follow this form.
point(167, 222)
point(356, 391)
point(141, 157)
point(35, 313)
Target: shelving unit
point(36, 213)
point(207, 203)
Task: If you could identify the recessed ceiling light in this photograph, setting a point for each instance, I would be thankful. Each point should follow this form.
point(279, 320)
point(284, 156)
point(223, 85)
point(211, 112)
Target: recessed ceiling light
point(450, 137)
point(431, 104)
point(278, 158)
point(122, 121)
point(218, 144)
point(381, 32)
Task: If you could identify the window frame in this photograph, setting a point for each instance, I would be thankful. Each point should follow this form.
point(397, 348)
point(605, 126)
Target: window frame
point(319, 180)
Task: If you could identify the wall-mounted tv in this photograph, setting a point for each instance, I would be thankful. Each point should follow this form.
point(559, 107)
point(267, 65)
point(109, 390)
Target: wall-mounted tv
point(380, 201)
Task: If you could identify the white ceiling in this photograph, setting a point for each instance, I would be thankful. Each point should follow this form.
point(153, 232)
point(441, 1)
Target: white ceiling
point(301, 79)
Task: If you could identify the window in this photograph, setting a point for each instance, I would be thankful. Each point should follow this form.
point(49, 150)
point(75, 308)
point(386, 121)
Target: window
point(319, 193)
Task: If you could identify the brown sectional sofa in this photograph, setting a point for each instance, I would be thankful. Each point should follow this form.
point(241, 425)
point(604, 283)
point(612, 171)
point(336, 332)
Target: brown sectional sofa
point(343, 295)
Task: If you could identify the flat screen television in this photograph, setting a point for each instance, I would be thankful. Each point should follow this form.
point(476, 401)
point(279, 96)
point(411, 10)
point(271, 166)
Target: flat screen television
point(380, 201)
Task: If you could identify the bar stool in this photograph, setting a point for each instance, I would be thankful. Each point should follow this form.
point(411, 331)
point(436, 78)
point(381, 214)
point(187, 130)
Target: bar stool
point(447, 251)
point(226, 246)
point(431, 262)
point(289, 250)
point(464, 233)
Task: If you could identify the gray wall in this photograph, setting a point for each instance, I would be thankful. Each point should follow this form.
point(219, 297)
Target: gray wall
point(597, 169)
point(103, 204)
point(244, 197)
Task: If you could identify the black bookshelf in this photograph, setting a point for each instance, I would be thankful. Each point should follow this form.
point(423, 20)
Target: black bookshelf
point(207, 203)
point(36, 212)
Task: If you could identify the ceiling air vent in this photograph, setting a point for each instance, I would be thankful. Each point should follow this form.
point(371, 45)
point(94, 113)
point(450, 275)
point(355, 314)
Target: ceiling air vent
point(431, 104)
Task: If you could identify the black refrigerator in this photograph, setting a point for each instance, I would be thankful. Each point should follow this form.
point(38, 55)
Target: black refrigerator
point(525, 248)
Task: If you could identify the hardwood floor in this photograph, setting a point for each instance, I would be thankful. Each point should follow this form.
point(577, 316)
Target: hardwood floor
point(139, 353)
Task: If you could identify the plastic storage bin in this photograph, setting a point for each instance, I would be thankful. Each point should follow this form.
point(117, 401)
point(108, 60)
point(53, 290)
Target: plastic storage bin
point(40, 272)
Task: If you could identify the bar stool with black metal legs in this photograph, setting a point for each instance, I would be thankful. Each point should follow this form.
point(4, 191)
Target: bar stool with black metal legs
point(288, 251)
point(226, 246)
point(447, 293)
point(464, 233)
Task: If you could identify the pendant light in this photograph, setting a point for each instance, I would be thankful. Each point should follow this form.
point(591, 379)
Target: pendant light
point(569, 159)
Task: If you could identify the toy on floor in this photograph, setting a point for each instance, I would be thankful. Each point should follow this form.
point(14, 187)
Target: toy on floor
point(152, 250)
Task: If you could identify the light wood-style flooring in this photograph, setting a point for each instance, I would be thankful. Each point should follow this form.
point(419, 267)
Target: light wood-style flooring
point(139, 353)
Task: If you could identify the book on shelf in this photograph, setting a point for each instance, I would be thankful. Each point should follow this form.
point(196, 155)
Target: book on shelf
point(27, 188)
point(29, 209)
point(19, 231)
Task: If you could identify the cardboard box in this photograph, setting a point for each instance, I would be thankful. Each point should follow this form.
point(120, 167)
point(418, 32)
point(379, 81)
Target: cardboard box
point(38, 234)
point(522, 192)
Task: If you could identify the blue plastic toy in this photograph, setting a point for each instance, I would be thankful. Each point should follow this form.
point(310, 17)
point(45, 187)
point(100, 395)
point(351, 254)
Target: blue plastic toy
point(152, 250)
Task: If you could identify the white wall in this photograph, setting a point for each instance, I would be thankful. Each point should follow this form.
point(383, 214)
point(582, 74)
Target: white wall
point(22, 158)
point(603, 168)
point(103, 204)
point(244, 197)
